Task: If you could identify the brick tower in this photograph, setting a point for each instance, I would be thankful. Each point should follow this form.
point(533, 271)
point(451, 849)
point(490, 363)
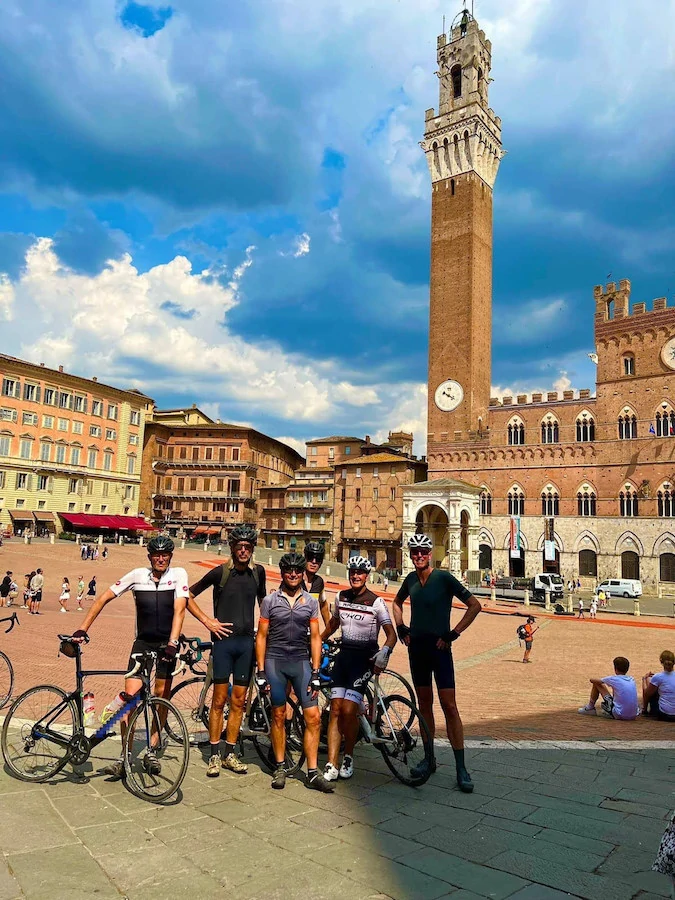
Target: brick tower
point(463, 149)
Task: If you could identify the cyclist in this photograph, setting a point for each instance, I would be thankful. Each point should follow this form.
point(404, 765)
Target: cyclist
point(429, 641)
point(314, 584)
point(236, 586)
point(360, 614)
point(283, 658)
point(160, 593)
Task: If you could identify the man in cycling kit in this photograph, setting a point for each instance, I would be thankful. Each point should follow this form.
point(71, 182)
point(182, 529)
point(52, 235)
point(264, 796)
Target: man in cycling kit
point(429, 642)
point(360, 614)
point(160, 594)
point(283, 657)
point(314, 584)
point(236, 586)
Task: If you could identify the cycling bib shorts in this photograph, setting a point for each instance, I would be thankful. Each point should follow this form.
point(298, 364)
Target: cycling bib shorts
point(426, 660)
point(298, 671)
point(233, 657)
point(352, 671)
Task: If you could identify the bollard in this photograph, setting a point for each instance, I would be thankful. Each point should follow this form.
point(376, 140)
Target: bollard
point(636, 607)
point(120, 540)
point(547, 600)
point(327, 570)
point(182, 544)
point(674, 608)
point(205, 547)
point(493, 595)
point(52, 538)
point(269, 560)
point(77, 539)
point(100, 540)
point(570, 604)
point(659, 593)
point(526, 597)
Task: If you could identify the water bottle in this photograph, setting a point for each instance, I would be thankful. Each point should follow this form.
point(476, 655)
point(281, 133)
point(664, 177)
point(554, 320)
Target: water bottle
point(89, 709)
point(113, 707)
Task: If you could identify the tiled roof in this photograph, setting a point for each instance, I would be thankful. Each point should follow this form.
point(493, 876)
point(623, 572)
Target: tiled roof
point(335, 438)
point(380, 458)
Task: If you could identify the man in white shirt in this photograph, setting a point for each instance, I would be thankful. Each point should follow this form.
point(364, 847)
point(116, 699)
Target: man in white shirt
point(618, 692)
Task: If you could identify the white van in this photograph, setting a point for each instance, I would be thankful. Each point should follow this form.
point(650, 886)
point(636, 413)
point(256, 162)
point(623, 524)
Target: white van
point(621, 587)
point(548, 582)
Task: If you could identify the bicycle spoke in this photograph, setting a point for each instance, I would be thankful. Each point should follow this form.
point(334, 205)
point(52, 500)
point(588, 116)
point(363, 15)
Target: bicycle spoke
point(194, 709)
point(6, 680)
point(403, 739)
point(36, 732)
point(157, 750)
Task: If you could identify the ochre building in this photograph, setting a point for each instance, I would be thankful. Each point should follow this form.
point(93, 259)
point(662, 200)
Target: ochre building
point(599, 463)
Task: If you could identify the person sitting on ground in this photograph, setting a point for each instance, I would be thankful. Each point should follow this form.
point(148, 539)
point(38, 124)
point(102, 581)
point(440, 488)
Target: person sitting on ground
point(658, 691)
point(618, 692)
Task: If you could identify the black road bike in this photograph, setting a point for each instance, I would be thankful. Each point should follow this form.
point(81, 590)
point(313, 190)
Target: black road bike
point(6, 670)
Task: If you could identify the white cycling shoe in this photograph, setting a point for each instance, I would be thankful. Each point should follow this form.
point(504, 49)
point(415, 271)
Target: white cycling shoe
point(330, 773)
point(347, 767)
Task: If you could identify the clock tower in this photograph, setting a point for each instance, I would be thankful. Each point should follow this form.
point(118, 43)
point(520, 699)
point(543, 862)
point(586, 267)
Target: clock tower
point(462, 143)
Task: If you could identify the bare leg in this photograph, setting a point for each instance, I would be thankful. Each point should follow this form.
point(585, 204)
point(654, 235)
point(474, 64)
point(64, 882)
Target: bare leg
point(425, 700)
point(453, 722)
point(278, 733)
point(311, 740)
point(349, 724)
point(216, 712)
point(237, 704)
point(334, 735)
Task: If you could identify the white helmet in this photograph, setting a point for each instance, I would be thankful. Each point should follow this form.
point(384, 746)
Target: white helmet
point(359, 564)
point(420, 542)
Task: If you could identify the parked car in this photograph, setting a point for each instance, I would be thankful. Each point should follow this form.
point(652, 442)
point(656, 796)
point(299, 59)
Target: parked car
point(621, 587)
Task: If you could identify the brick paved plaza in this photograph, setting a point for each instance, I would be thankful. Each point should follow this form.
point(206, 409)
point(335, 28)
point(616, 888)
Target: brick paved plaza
point(547, 819)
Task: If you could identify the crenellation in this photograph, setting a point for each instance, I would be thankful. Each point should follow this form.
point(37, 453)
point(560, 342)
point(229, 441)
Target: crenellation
point(521, 398)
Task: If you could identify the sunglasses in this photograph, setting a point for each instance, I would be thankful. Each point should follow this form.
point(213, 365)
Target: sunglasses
point(247, 547)
point(353, 572)
point(312, 557)
point(420, 552)
point(294, 570)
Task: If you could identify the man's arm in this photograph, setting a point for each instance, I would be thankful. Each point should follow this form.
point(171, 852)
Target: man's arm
point(325, 608)
point(315, 643)
point(402, 629)
point(261, 643)
point(177, 622)
point(331, 627)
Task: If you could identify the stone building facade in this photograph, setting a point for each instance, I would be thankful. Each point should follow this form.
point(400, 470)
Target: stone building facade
point(204, 477)
point(600, 464)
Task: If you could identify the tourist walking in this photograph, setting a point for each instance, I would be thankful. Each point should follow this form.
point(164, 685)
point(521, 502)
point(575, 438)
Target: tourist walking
point(528, 636)
point(36, 584)
point(580, 614)
point(104, 554)
point(91, 590)
point(26, 589)
point(4, 588)
point(83, 552)
point(13, 592)
point(593, 609)
point(65, 595)
point(80, 591)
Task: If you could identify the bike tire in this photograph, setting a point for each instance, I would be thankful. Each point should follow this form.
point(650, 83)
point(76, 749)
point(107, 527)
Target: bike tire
point(193, 704)
point(409, 745)
point(392, 682)
point(6, 679)
point(149, 718)
point(24, 755)
point(295, 732)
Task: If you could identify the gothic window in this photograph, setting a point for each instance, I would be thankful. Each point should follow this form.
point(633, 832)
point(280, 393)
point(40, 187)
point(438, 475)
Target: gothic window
point(516, 432)
point(627, 426)
point(516, 502)
point(550, 502)
point(665, 422)
point(665, 501)
point(550, 431)
point(485, 502)
point(585, 428)
point(667, 567)
point(588, 563)
point(586, 503)
point(628, 502)
point(629, 364)
point(456, 76)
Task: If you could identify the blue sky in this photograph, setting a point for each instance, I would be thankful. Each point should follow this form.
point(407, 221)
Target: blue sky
point(227, 204)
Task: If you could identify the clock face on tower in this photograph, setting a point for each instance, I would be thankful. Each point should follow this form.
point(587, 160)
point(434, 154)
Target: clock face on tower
point(668, 353)
point(449, 394)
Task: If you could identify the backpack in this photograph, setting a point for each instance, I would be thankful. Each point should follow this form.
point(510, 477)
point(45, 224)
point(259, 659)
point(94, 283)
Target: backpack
point(227, 571)
point(521, 632)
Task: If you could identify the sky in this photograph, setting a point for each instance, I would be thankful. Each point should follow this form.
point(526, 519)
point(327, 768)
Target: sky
point(226, 204)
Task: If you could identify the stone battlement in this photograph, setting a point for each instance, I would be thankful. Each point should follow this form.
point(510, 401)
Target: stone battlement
point(612, 302)
point(538, 399)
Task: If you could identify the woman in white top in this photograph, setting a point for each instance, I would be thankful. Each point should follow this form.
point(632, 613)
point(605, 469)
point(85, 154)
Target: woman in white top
point(65, 595)
point(658, 691)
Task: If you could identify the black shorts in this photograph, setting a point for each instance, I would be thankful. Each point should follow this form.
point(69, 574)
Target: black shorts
point(233, 656)
point(37, 597)
point(426, 660)
point(351, 673)
point(163, 670)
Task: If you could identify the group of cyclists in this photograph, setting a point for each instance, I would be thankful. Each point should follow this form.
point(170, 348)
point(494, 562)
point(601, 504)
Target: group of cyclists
point(294, 621)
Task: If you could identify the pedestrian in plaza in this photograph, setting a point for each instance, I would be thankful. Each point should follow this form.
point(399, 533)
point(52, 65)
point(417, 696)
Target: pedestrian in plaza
point(95, 554)
point(658, 691)
point(104, 555)
point(602, 598)
point(429, 640)
point(593, 609)
point(83, 552)
point(4, 588)
point(13, 592)
point(36, 584)
point(386, 583)
point(618, 692)
point(665, 858)
point(80, 592)
point(578, 584)
point(580, 607)
point(26, 590)
point(529, 629)
point(91, 589)
point(65, 595)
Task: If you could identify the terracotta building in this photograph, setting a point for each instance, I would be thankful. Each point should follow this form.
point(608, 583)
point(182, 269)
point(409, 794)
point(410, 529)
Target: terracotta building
point(70, 451)
point(201, 476)
point(596, 467)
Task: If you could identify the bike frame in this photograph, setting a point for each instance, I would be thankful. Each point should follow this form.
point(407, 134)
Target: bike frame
point(13, 620)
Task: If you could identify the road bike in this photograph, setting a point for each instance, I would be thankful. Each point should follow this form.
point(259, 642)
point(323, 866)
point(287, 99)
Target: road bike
point(44, 730)
point(192, 698)
point(6, 670)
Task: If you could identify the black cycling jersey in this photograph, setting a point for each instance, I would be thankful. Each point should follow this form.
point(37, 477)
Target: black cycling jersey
point(154, 600)
point(314, 585)
point(236, 601)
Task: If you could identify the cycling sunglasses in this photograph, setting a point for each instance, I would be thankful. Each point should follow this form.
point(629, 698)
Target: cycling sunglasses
point(314, 557)
point(294, 570)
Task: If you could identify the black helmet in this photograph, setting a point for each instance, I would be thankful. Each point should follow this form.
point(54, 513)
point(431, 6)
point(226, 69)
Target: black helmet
point(160, 544)
point(292, 560)
point(243, 533)
point(314, 548)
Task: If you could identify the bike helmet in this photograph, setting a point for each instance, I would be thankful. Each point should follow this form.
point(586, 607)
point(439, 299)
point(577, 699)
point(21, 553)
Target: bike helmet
point(314, 548)
point(243, 533)
point(359, 564)
point(420, 542)
point(292, 560)
point(160, 544)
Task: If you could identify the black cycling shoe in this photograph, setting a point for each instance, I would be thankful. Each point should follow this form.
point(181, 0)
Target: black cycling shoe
point(423, 769)
point(464, 781)
point(317, 782)
point(279, 778)
point(115, 771)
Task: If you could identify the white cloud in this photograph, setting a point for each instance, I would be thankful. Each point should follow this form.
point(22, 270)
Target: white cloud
point(295, 443)
point(6, 298)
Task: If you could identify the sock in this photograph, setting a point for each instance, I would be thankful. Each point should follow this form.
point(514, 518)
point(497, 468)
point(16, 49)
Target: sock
point(229, 748)
point(215, 749)
point(459, 758)
point(311, 773)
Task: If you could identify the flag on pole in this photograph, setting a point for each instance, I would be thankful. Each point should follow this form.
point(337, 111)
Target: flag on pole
point(514, 537)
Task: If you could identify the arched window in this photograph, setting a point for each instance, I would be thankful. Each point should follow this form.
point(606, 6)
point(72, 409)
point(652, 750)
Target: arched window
point(586, 503)
point(550, 431)
point(665, 501)
point(456, 76)
point(485, 502)
point(628, 364)
point(627, 426)
point(585, 428)
point(484, 556)
point(630, 565)
point(516, 432)
point(628, 502)
point(588, 563)
point(516, 502)
point(667, 567)
point(550, 502)
point(665, 421)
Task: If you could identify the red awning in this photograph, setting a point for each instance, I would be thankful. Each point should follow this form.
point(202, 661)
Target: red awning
point(108, 523)
point(132, 523)
point(213, 531)
point(77, 519)
point(201, 529)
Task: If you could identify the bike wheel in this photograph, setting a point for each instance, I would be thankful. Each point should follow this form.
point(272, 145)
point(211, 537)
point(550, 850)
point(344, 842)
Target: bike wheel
point(295, 732)
point(392, 683)
point(402, 737)
point(324, 710)
point(6, 679)
point(36, 733)
point(193, 703)
point(151, 729)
